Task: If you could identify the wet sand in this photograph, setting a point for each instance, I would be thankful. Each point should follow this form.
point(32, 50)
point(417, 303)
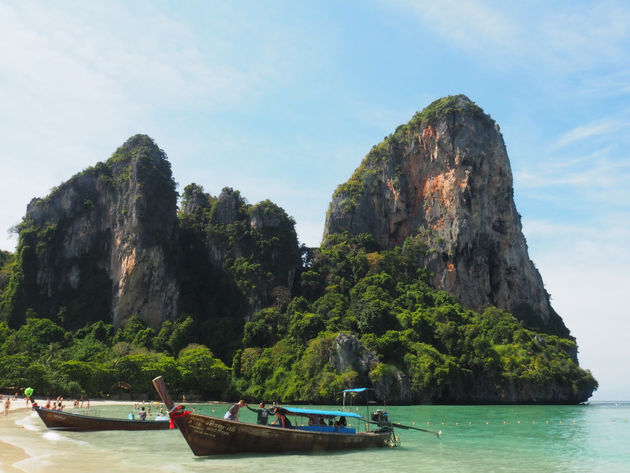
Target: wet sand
point(11, 454)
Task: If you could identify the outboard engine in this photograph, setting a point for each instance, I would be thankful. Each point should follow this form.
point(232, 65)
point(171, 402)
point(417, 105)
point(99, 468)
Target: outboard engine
point(382, 419)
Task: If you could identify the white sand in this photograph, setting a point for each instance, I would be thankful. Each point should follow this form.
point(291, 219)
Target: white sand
point(11, 454)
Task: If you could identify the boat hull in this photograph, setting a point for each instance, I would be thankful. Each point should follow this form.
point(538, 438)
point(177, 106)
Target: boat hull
point(60, 420)
point(213, 436)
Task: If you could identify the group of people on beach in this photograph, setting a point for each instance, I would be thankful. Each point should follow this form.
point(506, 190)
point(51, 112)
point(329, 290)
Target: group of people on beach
point(145, 411)
point(57, 404)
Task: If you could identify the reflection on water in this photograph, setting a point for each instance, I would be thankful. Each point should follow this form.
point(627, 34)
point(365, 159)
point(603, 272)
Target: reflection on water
point(475, 439)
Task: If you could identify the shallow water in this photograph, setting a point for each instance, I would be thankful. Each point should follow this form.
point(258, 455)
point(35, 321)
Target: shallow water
point(538, 439)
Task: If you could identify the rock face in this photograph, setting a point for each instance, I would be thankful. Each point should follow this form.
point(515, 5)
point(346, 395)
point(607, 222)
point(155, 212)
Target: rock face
point(388, 382)
point(100, 246)
point(254, 246)
point(445, 178)
point(109, 244)
point(349, 353)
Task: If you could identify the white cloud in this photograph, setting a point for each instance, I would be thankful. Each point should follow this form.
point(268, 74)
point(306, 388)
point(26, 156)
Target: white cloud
point(585, 269)
point(469, 24)
point(559, 38)
point(78, 81)
point(593, 191)
point(598, 128)
point(606, 84)
point(581, 36)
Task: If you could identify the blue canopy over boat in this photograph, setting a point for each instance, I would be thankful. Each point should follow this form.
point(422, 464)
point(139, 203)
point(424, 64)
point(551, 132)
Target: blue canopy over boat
point(317, 412)
point(355, 390)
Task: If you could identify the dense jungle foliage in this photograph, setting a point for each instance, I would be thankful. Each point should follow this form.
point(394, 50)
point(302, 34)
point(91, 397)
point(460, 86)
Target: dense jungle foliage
point(254, 253)
point(284, 353)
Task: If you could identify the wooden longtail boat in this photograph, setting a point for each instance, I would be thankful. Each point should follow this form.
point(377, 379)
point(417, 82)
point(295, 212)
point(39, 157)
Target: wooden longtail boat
point(60, 420)
point(208, 435)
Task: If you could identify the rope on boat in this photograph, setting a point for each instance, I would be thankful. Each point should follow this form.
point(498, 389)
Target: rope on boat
point(177, 411)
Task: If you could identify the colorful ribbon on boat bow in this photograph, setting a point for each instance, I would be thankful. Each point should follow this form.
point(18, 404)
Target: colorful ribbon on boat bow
point(177, 412)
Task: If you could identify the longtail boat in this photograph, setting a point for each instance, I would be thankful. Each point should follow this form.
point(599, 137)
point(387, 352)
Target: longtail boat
point(60, 420)
point(208, 435)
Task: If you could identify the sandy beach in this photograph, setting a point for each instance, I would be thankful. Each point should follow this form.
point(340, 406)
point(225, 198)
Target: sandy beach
point(11, 454)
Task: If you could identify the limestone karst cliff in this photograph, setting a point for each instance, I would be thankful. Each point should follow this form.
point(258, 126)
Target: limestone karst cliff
point(100, 246)
point(445, 178)
point(226, 241)
point(220, 281)
point(109, 244)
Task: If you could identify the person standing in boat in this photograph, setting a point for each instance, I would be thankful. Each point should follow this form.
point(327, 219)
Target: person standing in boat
point(263, 413)
point(282, 419)
point(232, 412)
point(143, 414)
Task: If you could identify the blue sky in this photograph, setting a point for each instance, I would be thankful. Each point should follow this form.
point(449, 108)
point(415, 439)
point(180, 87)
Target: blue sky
point(282, 100)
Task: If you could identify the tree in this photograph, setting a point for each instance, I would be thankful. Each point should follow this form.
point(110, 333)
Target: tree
point(202, 372)
point(183, 334)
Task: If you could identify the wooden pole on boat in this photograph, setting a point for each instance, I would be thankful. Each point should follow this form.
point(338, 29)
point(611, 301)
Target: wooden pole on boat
point(438, 434)
point(160, 387)
point(407, 427)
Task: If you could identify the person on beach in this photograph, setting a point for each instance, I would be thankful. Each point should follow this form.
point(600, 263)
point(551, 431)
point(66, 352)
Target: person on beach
point(7, 405)
point(263, 413)
point(232, 412)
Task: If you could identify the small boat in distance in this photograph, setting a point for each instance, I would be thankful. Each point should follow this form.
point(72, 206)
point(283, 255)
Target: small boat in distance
point(208, 435)
point(60, 420)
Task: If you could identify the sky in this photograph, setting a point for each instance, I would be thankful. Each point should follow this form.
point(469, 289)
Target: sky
point(282, 100)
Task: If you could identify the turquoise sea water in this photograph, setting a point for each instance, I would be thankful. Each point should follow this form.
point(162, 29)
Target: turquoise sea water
point(588, 438)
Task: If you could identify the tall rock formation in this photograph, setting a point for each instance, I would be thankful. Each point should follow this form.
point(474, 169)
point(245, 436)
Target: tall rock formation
point(445, 178)
point(101, 246)
point(253, 246)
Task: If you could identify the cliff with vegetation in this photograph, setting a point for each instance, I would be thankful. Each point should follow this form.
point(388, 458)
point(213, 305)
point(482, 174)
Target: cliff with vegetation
point(112, 285)
point(234, 260)
point(99, 246)
point(445, 178)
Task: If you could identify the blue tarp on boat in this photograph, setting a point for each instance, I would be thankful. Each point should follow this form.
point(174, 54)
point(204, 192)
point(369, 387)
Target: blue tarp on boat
point(324, 428)
point(318, 412)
